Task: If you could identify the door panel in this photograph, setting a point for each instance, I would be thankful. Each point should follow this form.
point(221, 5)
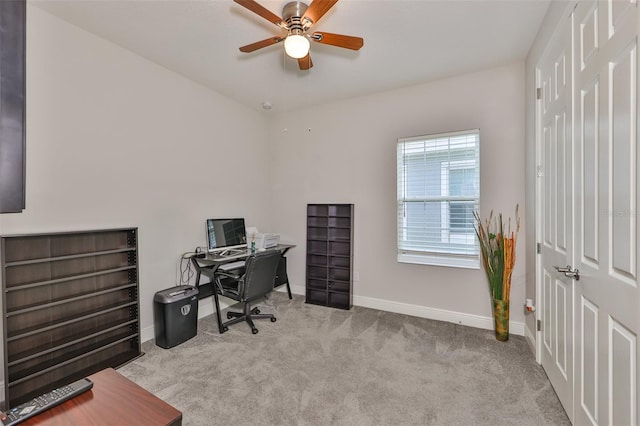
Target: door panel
point(557, 298)
point(547, 332)
point(622, 369)
point(606, 191)
point(622, 77)
point(562, 332)
point(561, 181)
point(589, 206)
point(588, 336)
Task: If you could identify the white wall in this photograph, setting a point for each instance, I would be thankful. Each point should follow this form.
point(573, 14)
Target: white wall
point(114, 140)
point(345, 152)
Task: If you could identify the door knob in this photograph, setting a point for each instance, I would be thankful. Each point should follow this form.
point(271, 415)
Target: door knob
point(575, 274)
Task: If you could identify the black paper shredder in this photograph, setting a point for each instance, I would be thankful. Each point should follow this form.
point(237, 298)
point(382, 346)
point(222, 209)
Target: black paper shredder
point(175, 313)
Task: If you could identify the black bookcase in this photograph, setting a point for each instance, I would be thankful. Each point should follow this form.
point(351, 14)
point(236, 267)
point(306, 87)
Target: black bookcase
point(12, 105)
point(70, 308)
point(330, 255)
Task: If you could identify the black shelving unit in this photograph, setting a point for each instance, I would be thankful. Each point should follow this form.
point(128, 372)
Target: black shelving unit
point(13, 37)
point(330, 255)
point(70, 308)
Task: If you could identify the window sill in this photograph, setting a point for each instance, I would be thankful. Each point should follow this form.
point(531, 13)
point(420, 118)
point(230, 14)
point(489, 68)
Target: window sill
point(451, 262)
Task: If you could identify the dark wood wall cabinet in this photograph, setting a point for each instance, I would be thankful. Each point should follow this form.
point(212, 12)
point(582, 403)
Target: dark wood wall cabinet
point(330, 255)
point(70, 308)
point(12, 105)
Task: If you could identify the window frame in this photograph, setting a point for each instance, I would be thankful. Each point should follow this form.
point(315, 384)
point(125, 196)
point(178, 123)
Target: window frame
point(448, 256)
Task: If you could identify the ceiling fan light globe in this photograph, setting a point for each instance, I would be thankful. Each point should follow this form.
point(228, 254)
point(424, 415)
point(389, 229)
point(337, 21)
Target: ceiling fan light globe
point(296, 46)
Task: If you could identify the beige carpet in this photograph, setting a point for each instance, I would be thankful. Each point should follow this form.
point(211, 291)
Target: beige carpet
point(323, 366)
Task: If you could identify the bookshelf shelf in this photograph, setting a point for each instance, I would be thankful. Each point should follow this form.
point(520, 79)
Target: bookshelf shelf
point(330, 255)
point(70, 307)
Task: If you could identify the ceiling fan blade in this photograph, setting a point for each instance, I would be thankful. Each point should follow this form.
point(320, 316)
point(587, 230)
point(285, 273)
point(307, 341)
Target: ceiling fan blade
point(260, 44)
point(305, 63)
point(339, 40)
point(262, 11)
point(317, 9)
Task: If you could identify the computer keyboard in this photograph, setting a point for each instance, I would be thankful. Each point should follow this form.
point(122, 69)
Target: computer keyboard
point(235, 254)
point(231, 253)
point(231, 265)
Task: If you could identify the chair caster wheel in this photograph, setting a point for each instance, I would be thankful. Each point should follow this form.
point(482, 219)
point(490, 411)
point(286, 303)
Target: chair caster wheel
point(229, 316)
point(254, 331)
point(225, 328)
point(257, 312)
point(273, 319)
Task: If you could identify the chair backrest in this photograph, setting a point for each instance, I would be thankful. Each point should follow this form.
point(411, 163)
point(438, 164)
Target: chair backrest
point(260, 274)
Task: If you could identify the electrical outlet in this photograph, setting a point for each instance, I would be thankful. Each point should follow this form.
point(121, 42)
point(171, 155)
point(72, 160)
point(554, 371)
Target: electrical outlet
point(356, 276)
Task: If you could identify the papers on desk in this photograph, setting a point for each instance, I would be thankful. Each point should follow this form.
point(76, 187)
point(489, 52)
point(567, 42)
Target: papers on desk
point(232, 265)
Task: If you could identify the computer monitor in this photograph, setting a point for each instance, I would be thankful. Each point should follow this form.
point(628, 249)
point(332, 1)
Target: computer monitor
point(223, 234)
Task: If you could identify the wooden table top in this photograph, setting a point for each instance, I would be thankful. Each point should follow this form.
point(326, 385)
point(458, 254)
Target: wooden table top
point(113, 400)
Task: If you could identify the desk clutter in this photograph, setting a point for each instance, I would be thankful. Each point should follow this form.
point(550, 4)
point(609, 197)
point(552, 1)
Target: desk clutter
point(238, 263)
point(223, 274)
point(227, 235)
point(258, 242)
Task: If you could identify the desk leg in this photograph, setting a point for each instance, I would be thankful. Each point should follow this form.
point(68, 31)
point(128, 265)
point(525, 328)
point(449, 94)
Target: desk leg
point(289, 289)
point(281, 275)
point(221, 326)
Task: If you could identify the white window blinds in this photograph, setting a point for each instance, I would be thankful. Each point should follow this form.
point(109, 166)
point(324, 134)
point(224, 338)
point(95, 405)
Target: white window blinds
point(438, 191)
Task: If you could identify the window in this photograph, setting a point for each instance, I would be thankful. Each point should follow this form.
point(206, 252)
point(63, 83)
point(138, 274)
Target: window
point(438, 191)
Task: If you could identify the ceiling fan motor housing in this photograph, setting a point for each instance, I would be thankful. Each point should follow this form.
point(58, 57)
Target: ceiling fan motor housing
point(292, 14)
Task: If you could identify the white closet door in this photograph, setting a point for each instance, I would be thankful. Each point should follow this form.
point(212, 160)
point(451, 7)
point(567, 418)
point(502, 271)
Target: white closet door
point(555, 129)
point(606, 232)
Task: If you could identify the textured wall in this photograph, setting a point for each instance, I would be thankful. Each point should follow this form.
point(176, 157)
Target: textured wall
point(346, 152)
point(115, 140)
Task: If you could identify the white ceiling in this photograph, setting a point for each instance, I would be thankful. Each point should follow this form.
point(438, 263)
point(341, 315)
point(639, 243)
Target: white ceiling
point(405, 42)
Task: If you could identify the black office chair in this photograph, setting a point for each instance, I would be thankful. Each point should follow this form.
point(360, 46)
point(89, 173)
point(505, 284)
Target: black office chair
point(256, 282)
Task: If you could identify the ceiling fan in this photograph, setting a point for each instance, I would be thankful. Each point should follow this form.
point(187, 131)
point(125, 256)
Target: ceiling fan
point(297, 19)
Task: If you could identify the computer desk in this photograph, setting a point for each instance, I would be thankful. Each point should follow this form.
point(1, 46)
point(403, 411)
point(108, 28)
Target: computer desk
point(208, 266)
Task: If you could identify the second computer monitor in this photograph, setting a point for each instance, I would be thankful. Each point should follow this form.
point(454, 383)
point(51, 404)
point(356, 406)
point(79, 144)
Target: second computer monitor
point(226, 233)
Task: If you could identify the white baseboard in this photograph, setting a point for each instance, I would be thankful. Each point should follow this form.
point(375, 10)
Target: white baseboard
point(205, 308)
point(515, 327)
point(470, 320)
point(147, 333)
point(531, 339)
point(296, 289)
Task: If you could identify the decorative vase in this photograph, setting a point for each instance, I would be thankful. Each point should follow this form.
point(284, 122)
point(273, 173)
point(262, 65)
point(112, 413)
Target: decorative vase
point(501, 319)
